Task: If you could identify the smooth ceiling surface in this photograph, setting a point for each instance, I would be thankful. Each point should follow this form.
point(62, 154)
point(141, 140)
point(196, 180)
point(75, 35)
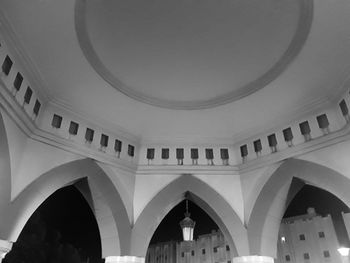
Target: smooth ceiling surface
point(45, 31)
point(191, 54)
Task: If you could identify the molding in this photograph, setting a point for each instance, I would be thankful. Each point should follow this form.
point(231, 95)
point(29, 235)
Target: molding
point(107, 126)
point(187, 169)
point(295, 46)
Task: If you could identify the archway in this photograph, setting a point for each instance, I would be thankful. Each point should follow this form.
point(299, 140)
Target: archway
point(99, 191)
point(62, 229)
point(205, 197)
point(272, 201)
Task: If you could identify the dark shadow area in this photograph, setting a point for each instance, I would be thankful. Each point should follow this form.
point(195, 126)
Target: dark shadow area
point(169, 228)
point(62, 229)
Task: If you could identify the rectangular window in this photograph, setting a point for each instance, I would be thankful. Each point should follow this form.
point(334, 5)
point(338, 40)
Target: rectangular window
point(302, 237)
point(215, 249)
point(224, 154)
point(257, 146)
point(326, 254)
point(117, 145)
point(150, 153)
point(104, 140)
point(36, 108)
point(89, 135)
point(179, 153)
point(321, 234)
point(209, 154)
point(288, 134)
point(287, 257)
point(322, 121)
point(56, 121)
point(194, 153)
point(73, 128)
point(7, 65)
point(28, 95)
point(306, 256)
point(344, 108)
point(227, 248)
point(18, 81)
point(244, 150)
point(192, 253)
point(131, 150)
point(203, 251)
point(165, 153)
point(182, 254)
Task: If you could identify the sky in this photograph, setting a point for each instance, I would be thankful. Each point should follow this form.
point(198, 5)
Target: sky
point(67, 211)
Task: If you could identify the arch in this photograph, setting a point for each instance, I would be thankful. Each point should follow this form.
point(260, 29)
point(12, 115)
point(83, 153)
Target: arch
point(278, 191)
point(205, 197)
point(104, 199)
point(5, 175)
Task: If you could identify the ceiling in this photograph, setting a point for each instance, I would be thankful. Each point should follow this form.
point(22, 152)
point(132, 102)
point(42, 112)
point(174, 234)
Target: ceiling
point(186, 69)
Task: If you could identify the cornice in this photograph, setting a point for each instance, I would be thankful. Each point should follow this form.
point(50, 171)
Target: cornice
point(295, 46)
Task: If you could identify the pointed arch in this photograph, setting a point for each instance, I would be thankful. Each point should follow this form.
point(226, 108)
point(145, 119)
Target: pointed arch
point(104, 199)
point(205, 197)
point(5, 174)
point(276, 194)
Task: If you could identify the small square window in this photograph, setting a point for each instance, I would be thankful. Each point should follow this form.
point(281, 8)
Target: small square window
point(306, 256)
point(321, 234)
point(326, 254)
point(104, 140)
point(302, 237)
point(7, 65)
point(56, 121)
point(18, 81)
point(131, 150)
point(73, 128)
point(36, 108)
point(28, 95)
point(287, 257)
point(89, 135)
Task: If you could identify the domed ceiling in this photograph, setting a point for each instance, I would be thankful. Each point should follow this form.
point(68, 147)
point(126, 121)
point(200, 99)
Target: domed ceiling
point(191, 54)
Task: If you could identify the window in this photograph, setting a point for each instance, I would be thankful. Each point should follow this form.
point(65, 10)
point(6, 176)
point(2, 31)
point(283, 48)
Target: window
point(215, 249)
point(287, 257)
point(7, 65)
point(272, 142)
point(323, 123)
point(28, 95)
point(326, 254)
point(203, 251)
point(288, 136)
point(73, 128)
point(224, 156)
point(182, 254)
point(257, 146)
point(36, 108)
point(244, 152)
point(150, 153)
point(89, 135)
point(344, 108)
point(302, 237)
point(305, 130)
point(227, 248)
point(228, 261)
point(180, 156)
point(321, 234)
point(192, 253)
point(306, 256)
point(18, 81)
point(194, 153)
point(117, 145)
point(56, 121)
point(283, 239)
point(165, 153)
point(104, 140)
point(209, 155)
point(131, 150)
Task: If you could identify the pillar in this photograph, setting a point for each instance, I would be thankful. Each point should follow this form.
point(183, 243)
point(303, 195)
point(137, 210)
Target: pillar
point(124, 259)
point(253, 259)
point(5, 247)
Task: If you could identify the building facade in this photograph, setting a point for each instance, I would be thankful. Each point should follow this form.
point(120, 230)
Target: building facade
point(208, 248)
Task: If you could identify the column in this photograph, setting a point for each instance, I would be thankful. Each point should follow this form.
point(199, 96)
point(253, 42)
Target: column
point(5, 247)
point(124, 259)
point(253, 259)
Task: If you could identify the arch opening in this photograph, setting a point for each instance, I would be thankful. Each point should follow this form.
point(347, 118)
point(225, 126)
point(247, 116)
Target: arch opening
point(62, 229)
